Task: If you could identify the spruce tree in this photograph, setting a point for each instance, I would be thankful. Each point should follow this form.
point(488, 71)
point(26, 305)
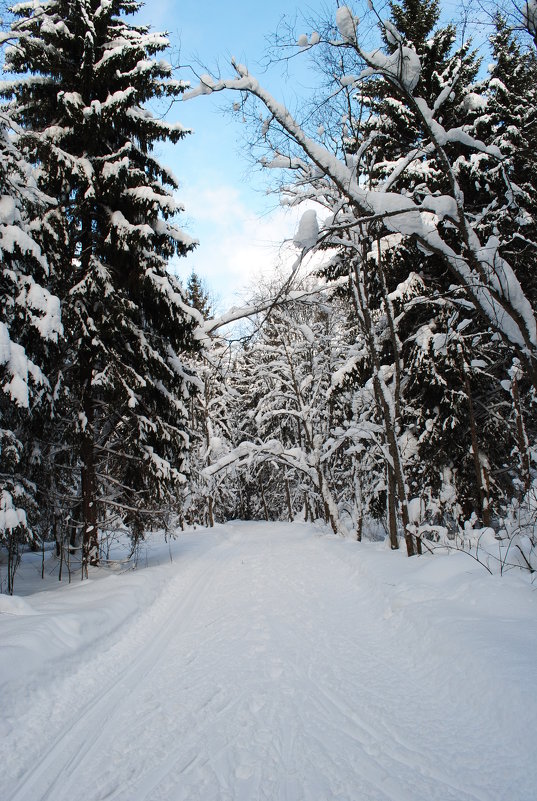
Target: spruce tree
point(507, 118)
point(198, 296)
point(393, 122)
point(438, 390)
point(453, 361)
point(29, 328)
point(83, 110)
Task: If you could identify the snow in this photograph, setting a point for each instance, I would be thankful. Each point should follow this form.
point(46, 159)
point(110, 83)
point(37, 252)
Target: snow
point(71, 99)
point(124, 228)
point(12, 235)
point(384, 245)
point(8, 210)
point(146, 194)
point(111, 169)
point(284, 163)
point(474, 102)
point(162, 467)
point(270, 661)
point(10, 516)
point(121, 97)
point(442, 206)
point(308, 335)
point(392, 34)
point(308, 230)
point(207, 82)
point(459, 135)
point(404, 66)
point(412, 285)
point(5, 344)
point(339, 375)
point(346, 23)
point(48, 322)
point(416, 510)
point(19, 369)
point(347, 80)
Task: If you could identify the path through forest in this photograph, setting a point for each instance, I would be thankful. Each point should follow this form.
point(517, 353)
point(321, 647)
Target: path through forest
point(276, 664)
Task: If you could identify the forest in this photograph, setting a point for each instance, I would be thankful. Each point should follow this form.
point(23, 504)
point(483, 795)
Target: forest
point(388, 392)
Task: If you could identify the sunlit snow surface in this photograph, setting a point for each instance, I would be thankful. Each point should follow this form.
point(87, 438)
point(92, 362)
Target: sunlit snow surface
point(271, 661)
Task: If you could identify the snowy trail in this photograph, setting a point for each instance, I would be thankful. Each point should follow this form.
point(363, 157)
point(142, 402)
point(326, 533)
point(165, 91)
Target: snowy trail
point(271, 666)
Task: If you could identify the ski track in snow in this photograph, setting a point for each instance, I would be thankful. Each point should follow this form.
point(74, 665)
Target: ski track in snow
point(267, 669)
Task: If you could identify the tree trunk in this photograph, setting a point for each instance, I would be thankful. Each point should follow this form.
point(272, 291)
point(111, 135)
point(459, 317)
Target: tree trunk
point(211, 515)
point(386, 410)
point(60, 556)
point(308, 514)
point(288, 497)
point(359, 527)
point(391, 507)
point(263, 499)
point(90, 537)
point(13, 559)
point(482, 494)
point(522, 437)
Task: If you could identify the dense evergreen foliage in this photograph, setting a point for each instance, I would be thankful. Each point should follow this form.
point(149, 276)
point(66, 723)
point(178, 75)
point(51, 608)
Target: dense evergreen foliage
point(117, 443)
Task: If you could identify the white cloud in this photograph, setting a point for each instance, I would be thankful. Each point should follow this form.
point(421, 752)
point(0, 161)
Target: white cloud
point(237, 247)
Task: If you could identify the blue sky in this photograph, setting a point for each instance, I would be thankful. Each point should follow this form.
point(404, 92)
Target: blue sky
point(240, 228)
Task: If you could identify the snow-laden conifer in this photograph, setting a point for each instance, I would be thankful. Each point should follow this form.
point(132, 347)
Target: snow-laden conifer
point(29, 328)
point(86, 77)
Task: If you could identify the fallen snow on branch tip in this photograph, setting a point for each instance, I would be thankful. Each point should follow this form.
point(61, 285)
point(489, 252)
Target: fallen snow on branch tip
point(347, 23)
point(404, 66)
point(308, 230)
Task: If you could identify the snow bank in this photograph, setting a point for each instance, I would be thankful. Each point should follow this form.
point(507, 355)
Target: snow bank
point(45, 633)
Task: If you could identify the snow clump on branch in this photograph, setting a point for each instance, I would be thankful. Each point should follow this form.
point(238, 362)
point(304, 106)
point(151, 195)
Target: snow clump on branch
point(404, 66)
point(308, 230)
point(206, 84)
point(347, 23)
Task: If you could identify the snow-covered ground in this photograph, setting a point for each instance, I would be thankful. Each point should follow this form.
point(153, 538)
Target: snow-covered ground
point(269, 661)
